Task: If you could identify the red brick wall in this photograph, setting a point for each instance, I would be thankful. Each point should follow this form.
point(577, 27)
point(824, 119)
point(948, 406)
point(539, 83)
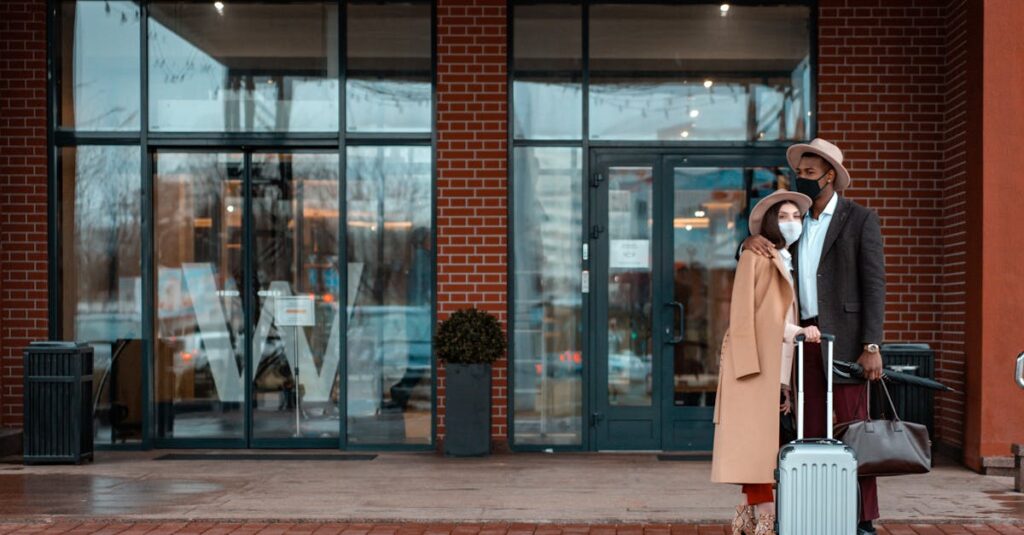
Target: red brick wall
point(472, 177)
point(950, 362)
point(23, 263)
point(884, 98)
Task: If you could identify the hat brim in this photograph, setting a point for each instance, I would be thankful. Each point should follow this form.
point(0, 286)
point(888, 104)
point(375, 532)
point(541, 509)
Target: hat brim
point(802, 202)
point(795, 152)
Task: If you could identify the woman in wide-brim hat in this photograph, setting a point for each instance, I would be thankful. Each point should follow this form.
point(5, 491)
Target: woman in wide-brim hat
point(757, 357)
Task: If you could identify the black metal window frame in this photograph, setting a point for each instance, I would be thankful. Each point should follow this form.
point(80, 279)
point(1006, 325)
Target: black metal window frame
point(744, 153)
point(58, 137)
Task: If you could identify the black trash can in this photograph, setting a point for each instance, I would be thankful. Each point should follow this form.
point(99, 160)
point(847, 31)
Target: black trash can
point(913, 403)
point(58, 403)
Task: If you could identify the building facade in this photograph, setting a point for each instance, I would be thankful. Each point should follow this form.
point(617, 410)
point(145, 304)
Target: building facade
point(182, 180)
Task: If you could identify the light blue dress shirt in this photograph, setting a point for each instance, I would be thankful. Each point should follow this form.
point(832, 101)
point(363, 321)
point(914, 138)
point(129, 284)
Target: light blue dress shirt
point(812, 241)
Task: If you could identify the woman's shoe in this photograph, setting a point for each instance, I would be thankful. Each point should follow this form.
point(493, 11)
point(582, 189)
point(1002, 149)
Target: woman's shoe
point(743, 522)
point(765, 524)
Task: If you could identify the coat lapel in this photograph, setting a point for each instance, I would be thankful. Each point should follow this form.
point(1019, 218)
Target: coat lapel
point(838, 220)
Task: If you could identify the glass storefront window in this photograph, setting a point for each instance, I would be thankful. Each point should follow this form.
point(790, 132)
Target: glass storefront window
point(547, 63)
point(200, 321)
point(99, 80)
point(101, 239)
point(243, 67)
point(688, 72)
point(548, 360)
point(388, 68)
point(390, 285)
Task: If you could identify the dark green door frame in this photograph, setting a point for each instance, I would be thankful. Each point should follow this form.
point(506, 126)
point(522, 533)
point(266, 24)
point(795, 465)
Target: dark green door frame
point(672, 427)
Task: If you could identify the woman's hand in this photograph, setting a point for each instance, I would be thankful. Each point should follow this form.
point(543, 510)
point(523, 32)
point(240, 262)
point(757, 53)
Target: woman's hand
point(811, 334)
point(786, 406)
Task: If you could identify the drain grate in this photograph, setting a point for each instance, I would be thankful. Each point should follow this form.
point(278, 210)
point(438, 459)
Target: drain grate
point(264, 457)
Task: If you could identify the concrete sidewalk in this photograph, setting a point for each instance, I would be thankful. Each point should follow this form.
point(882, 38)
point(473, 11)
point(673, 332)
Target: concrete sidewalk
point(403, 487)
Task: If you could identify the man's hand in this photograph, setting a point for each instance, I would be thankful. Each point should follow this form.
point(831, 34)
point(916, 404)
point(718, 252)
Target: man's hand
point(872, 364)
point(760, 245)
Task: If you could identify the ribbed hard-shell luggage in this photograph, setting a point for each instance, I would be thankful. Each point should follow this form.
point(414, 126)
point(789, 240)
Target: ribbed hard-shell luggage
point(817, 477)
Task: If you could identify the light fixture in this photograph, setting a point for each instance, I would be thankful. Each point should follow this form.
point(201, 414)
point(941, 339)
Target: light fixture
point(694, 113)
point(724, 8)
point(708, 83)
point(231, 208)
point(699, 213)
point(689, 228)
point(684, 133)
point(219, 6)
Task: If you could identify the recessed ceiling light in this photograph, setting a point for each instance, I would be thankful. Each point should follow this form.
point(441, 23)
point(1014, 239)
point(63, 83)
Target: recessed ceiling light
point(694, 113)
point(708, 83)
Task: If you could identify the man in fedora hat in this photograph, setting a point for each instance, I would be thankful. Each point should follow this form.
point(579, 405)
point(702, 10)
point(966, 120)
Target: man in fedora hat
point(839, 266)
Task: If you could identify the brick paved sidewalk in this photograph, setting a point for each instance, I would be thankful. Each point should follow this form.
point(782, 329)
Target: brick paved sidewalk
point(223, 528)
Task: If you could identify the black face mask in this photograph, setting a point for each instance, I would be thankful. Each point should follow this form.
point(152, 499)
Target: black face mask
point(810, 186)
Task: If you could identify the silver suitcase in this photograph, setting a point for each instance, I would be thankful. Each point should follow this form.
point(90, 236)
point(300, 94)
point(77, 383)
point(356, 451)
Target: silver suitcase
point(817, 477)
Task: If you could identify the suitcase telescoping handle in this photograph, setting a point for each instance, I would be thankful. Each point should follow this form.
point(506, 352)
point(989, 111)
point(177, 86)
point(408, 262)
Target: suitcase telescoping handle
point(800, 386)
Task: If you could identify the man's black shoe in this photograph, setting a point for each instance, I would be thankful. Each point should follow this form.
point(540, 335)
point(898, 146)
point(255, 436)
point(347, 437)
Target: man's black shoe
point(866, 528)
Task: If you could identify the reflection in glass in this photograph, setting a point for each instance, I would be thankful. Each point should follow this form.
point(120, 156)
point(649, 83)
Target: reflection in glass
point(389, 66)
point(630, 287)
point(548, 323)
point(709, 221)
point(547, 109)
point(99, 79)
point(547, 68)
point(102, 293)
point(295, 254)
point(390, 285)
point(198, 386)
point(686, 72)
point(246, 67)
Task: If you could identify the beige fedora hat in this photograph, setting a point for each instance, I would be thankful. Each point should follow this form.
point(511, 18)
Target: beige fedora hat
point(826, 150)
point(802, 202)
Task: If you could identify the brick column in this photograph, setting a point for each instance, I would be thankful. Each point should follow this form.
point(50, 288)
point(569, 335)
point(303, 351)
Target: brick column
point(883, 97)
point(23, 260)
point(472, 176)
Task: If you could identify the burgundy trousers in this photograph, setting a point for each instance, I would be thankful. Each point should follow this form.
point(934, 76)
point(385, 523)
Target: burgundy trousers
point(850, 404)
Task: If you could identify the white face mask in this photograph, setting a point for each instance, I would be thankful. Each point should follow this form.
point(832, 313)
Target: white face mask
point(791, 231)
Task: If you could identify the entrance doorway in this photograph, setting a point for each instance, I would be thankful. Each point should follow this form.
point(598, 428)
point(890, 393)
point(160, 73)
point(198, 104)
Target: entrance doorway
point(662, 240)
point(248, 331)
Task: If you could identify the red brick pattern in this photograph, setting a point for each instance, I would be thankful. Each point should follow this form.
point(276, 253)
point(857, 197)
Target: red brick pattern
point(884, 97)
point(223, 528)
point(23, 260)
point(472, 173)
point(951, 357)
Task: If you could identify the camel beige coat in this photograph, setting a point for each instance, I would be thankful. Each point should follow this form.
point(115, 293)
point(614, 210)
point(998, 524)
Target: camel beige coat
point(761, 329)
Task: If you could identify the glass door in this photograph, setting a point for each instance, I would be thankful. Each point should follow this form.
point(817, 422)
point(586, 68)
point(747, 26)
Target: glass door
point(246, 248)
point(706, 206)
point(296, 338)
point(628, 312)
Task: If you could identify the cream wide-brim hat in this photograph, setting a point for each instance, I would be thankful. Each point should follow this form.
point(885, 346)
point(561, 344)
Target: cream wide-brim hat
point(802, 202)
point(829, 152)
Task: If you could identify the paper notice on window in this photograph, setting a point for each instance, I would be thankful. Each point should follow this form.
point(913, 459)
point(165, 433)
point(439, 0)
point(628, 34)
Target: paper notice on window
point(294, 311)
point(633, 254)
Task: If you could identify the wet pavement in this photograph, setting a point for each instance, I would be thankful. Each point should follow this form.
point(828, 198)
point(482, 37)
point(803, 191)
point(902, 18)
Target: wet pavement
point(215, 528)
point(552, 490)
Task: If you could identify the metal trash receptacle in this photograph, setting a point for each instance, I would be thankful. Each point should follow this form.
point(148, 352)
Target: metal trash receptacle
point(58, 403)
point(914, 403)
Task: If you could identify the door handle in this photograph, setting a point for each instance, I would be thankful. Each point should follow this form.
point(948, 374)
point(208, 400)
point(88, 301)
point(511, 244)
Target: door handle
point(682, 319)
point(1020, 370)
